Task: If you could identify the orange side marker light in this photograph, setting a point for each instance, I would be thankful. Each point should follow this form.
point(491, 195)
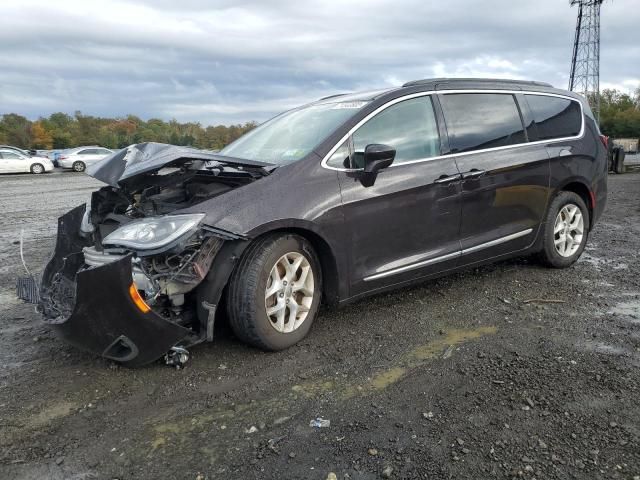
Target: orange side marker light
point(137, 299)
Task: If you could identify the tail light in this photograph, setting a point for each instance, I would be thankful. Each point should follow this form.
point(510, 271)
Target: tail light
point(62, 157)
point(605, 141)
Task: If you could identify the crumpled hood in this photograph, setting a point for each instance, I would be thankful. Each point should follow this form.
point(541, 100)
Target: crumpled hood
point(143, 158)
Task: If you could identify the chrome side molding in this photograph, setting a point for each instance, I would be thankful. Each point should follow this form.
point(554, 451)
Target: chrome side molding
point(449, 256)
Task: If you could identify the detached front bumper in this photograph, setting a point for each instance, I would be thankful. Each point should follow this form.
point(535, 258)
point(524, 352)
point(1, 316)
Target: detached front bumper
point(92, 308)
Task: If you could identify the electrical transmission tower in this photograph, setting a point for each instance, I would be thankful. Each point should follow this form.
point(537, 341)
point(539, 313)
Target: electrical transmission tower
point(585, 63)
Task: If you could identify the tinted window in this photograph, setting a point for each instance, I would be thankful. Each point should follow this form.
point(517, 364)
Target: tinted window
point(409, 126)
point(482, 120)
point(10, 155)
point(87, 151)
point(555, 117)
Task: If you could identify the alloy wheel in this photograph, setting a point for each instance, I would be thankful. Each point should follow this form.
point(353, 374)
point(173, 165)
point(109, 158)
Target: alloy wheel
point(37, 168)
point(568, 230)
point(289, 293)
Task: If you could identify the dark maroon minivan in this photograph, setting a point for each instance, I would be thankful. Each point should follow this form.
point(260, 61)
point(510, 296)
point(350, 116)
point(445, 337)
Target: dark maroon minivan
point(344, 197)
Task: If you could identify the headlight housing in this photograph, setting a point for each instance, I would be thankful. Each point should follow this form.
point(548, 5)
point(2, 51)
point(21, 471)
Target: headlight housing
point(154, 232)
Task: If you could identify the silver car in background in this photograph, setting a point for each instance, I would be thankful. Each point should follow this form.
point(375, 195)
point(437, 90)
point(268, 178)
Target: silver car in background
point(12, 161)
point(79, 158)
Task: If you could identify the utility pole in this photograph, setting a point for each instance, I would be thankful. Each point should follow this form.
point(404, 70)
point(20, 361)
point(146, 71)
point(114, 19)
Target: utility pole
point(585, 62)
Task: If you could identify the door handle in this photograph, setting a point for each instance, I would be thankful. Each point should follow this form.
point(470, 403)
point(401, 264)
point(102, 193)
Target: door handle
point(473, 173)
point(447, 178)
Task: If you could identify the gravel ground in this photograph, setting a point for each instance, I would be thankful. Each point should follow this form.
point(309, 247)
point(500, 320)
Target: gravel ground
point(506, 371)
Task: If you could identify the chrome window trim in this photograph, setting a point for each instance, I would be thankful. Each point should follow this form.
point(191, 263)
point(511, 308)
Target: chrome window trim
point(442, 258)
point(453, 155)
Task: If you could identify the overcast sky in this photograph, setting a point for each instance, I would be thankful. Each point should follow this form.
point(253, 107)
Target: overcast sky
point(233, 61)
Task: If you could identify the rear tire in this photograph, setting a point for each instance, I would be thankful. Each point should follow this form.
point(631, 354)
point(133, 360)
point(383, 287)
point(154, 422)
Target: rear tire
point(37, 168)
point(78, 166)
point(295, 299)
point(565, 231)
point(618, 162)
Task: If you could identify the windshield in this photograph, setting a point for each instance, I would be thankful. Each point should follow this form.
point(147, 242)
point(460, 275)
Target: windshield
point(293, 134)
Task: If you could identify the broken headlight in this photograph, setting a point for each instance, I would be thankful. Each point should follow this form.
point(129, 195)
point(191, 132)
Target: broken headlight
point(154, 232)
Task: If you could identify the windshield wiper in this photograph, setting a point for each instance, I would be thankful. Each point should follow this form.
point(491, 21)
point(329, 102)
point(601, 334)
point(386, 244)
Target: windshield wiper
point(253, 167)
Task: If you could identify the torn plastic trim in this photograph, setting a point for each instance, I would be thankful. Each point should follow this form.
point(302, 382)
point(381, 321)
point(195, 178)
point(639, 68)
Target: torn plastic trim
point(96, 312)
point(223, 234)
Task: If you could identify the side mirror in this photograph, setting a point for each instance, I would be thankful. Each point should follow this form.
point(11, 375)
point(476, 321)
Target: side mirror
point(377, 157)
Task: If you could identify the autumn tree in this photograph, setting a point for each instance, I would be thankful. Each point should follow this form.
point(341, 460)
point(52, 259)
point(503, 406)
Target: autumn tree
point(61, 130)
point(40, 137)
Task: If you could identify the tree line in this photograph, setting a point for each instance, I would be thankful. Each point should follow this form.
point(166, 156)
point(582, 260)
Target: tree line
point(619, 117)
point(61, 130)
point(620, 114)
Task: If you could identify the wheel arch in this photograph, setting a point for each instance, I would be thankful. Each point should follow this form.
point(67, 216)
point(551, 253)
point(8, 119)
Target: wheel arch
point(328, 263)
point(580, 188)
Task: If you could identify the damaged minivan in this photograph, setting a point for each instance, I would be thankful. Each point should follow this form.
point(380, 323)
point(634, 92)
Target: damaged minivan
point(344, 197)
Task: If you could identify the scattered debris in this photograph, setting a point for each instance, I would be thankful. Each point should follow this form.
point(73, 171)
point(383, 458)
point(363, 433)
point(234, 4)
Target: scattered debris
point(544, 300)
point(427, 414)
point(387, 472)
point(177, 357)
point(448, 352)
point(319, 422)
point(332, 476)
point(252, 429)
point(281, 420)
point(373, 452)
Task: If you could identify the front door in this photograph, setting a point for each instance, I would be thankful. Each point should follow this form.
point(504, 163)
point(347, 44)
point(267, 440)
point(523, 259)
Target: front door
point(403, 223)
point(12, 162)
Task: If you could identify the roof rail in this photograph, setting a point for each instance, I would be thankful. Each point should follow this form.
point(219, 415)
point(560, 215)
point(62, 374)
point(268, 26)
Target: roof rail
point(425, 81)
point(331, 96)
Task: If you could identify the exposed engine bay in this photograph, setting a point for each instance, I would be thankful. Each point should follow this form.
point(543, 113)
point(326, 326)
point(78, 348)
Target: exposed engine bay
point(163, 276)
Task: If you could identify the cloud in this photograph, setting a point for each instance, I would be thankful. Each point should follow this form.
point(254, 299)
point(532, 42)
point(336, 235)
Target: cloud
point(234, 61)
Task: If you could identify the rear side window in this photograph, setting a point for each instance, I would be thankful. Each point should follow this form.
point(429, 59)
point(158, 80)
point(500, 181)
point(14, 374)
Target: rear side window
point(555, 117)
point(476, 121)
point(409, 126)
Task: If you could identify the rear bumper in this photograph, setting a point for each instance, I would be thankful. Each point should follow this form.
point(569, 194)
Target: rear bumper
point(91, 308)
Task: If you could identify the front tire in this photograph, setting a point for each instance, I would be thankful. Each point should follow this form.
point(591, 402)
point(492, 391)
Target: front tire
point(37, 168)
point(78, 166)
point(565, 230)
point(275, 291)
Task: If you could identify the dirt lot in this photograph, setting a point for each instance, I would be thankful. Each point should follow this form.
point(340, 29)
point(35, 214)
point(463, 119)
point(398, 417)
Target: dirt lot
point(469, 376)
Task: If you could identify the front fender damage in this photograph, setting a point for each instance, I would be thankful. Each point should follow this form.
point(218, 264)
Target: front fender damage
point(93, 308)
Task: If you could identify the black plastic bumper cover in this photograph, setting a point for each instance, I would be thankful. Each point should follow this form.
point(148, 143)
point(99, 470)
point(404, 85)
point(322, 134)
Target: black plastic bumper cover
point(104, 319)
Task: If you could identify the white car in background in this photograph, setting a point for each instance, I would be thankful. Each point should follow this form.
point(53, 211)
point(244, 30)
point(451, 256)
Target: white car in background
point(79, 158)
point(11, 161)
